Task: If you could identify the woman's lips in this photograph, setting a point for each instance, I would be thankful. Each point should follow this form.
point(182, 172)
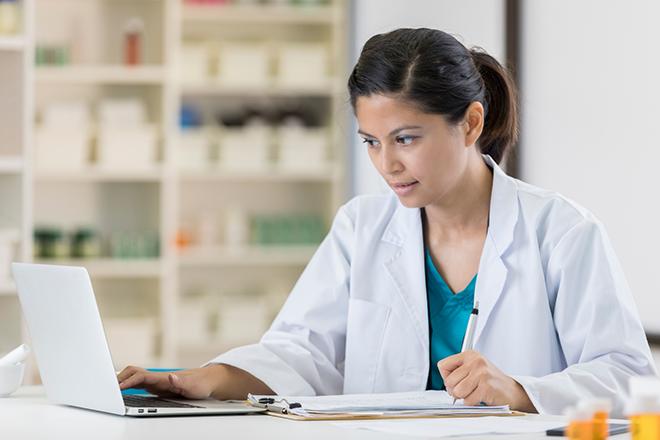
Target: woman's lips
point(403, 189)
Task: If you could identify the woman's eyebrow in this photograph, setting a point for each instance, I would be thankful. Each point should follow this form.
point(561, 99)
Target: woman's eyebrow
point(393, 132)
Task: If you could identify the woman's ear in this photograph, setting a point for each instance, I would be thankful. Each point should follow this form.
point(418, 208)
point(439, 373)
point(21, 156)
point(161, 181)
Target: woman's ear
point(473, 123)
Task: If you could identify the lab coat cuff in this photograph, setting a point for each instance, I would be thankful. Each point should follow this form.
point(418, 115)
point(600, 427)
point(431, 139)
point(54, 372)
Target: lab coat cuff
point(266, 366)
point(529, 384)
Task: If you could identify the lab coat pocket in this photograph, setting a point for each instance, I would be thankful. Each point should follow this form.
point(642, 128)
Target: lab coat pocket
point(365, 335)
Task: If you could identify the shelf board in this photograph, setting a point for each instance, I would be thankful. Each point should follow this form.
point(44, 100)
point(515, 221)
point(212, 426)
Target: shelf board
point(212, 88)
point(11, 164)
point(255, 14)
point(271, 175)
point(94, 174)
point(13, 43)
point(294, 255)
point(100, 74)
point(114, 267)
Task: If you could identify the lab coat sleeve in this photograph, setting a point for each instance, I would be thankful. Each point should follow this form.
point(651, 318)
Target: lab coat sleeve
point(596, 321)
point(303, 351)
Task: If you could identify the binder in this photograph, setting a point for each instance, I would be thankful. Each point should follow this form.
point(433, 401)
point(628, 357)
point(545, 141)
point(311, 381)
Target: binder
point(290, 409)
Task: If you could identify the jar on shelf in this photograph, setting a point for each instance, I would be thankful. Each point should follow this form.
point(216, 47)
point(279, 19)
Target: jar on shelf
point(85, 243)
point(50, 243)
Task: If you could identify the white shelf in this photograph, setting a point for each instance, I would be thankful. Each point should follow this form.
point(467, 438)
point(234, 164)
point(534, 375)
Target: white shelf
point(13, 43)
point(259, 14)
point(271, 175)
point(100, 175)
point(273, 90)
point(114, 267)
point(274, 255)
point(100, 74)
point(11, 165)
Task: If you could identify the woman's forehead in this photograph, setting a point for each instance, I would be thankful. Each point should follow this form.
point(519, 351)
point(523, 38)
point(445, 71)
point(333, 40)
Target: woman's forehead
point(380, 113)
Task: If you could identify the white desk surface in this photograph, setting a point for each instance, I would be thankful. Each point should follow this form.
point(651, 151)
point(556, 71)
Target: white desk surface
point(28, 415)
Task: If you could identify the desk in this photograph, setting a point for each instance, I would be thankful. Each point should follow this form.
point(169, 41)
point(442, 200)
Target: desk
point(28, 415)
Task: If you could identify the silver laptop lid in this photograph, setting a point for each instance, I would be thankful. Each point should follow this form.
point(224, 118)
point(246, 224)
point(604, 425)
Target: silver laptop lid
point(67, 336)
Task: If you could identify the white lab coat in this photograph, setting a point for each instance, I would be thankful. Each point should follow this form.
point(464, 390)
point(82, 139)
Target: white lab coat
point(555, 313)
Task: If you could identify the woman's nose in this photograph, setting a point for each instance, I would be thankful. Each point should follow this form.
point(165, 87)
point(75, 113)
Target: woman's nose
point(389, 162)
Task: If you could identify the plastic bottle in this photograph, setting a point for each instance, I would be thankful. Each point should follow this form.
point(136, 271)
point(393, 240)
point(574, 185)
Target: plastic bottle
point(598, 411)
point(644, 408)
point(581, 424)
point(601, 410)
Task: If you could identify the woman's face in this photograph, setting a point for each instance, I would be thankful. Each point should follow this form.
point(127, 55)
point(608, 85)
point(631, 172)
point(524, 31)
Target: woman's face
point(420, 155)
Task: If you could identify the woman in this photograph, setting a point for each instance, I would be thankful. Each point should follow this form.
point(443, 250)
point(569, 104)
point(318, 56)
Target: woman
point(383, 304)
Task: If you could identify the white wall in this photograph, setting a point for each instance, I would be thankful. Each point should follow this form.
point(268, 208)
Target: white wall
point(590, 118)
point(473, 22)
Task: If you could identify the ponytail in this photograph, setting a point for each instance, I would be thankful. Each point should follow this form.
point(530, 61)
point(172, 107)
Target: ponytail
point(500, 104)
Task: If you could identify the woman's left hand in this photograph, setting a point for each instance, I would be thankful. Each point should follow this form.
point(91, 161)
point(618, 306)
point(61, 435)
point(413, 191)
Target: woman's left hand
point(471, 377)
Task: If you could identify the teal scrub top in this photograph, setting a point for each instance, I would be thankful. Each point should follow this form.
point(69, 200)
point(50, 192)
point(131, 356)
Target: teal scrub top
point(449, 313)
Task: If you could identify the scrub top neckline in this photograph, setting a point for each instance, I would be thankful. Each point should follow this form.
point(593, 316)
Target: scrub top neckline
point(443, 284)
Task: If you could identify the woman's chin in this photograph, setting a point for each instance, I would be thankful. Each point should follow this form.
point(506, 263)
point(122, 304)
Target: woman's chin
point(411, 202)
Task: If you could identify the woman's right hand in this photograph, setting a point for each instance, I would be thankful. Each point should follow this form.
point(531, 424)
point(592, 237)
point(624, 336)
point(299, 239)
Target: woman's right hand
point(196, 383)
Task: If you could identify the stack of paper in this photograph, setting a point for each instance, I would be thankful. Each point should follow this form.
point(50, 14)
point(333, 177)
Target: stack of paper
point(411, 404)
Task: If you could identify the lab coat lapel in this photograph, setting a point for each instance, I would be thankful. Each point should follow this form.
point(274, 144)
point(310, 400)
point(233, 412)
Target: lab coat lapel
point(504, 211)
point(405, 267)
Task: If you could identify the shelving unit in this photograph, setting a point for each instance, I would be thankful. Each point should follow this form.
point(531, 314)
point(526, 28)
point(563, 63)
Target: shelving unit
point(16, 107)
point(114, 200)
point(247, 256)
point(12, 43)
point(155, 297)
point(101, 74)
point(114, 268)
point(265, 273)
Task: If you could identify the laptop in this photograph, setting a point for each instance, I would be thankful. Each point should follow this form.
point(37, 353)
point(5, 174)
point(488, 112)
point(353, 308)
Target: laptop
point(74, 360)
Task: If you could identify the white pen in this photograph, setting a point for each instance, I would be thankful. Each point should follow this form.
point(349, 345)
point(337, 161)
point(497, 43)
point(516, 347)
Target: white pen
point(469, 332)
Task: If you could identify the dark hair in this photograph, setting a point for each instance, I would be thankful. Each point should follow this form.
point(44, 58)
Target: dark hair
point(434, 71)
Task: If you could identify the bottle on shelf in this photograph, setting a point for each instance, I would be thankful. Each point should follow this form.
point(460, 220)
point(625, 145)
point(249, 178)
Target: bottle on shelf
point(133, 36)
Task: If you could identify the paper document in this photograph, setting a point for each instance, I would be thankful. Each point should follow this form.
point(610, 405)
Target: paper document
point(429, 428)
point(411, 403)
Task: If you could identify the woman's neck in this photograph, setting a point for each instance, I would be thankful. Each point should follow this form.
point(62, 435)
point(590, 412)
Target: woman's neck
point(467, 207)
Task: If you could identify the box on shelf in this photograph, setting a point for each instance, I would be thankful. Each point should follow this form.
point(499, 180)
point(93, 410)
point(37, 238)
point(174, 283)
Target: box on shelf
point(193, 152)
point(127, 147)
point(66, 114)
point(303, 64)
point(194, 63)
point(245, 148)
point(122, 112)
point(10, 17)
point(132, 341)
point(244, 65)
point(64, 148)
point(302, 147)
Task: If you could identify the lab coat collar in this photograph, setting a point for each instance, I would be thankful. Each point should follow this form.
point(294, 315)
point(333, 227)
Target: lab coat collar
point(405, 232)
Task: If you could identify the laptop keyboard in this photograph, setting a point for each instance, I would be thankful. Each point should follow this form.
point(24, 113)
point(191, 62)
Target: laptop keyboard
point(137, 401)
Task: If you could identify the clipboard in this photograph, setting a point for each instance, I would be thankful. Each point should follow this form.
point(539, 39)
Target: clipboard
point(281, 408)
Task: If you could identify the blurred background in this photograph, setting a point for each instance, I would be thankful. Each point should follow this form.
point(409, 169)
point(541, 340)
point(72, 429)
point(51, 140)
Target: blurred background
point(192, 153)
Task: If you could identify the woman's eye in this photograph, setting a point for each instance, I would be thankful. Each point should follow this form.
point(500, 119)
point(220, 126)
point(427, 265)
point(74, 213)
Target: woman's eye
point(405, 140)
point(370, 142)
